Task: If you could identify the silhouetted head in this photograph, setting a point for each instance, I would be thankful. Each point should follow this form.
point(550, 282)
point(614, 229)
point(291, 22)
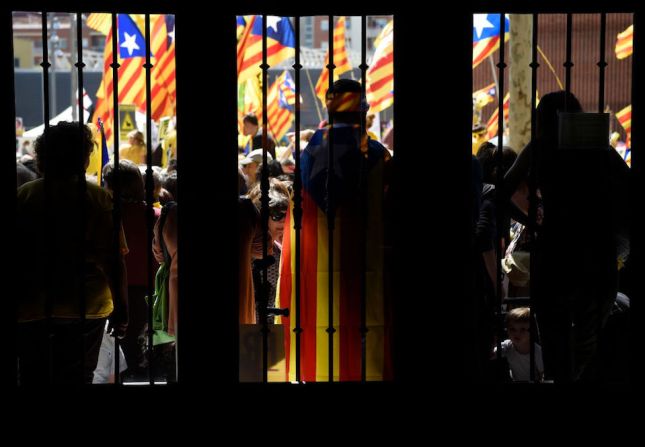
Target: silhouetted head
point(547, 112)
point(345, 101)
point(63, 150)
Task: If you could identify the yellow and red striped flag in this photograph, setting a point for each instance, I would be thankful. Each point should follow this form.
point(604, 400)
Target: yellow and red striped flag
point(492, 125)
point(380, 75)
point(625, 43)
point(280, 98)
point(624, 117)
point(132, 80)
point(280, 45)
point(341, 60)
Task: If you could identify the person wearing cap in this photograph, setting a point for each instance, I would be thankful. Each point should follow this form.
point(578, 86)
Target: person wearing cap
point(358, 195)
point(252, 128)
point(250, 164)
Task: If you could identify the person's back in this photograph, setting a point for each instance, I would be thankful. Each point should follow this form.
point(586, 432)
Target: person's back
point(358, 196)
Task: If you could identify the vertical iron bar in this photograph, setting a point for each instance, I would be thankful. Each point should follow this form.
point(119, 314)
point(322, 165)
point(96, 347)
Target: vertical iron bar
point(602, 63)
point(264, 212)
point(363, 204)
point(82, 191)
point(533, 190)
point(150, 214)
point(48, 198)
point(11, 320)
point(330, 205)
point(116, 193)
point(499, 181)
point(297, 197)
point(568, 63)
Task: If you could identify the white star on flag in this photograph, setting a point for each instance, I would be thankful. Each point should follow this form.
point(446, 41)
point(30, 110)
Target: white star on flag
point(272, 22)
point(171, 34)
point(130, 43)
point(480, 22)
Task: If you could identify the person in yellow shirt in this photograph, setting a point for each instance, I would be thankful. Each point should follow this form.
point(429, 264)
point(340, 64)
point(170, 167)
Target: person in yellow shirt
point(135, 149)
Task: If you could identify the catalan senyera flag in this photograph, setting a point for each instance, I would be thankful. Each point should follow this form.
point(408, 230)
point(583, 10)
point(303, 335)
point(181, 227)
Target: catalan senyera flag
point(132, 80)
point(280, 45)
point(624, 117)
point(625, 43)
point(349, 253)
point(241, 23)
point(486, 35)
point(280, 98)
point(164, 88)
point(492, 125)
point(341, 60)
point(380, 74)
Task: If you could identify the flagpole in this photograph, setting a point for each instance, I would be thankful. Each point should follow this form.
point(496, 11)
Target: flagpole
point(497, 92)
point(548, 63)
point(313, 93)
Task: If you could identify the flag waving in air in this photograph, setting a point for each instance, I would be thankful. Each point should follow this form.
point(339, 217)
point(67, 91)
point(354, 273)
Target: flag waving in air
point(624, 117)
point(341, 60)
point(486, 35)
point(380, 75)
point(625, 43)
point(281, 41)
point(280, 98)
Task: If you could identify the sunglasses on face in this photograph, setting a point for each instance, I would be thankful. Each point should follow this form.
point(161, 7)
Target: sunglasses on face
point(277, 214)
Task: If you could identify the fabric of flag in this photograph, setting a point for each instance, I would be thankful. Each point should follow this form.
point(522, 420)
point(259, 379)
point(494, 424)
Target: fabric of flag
point(350, 163)
point(492, 125)
point(280, 98)
point(625, 43)
point(163, 90)
point(341, 60)
point(280, 45)
point(132, 79)
point(380, 74)
point(100, 22)
point(486, 35)
point(485, 95)
point(241, 23)
point(624, 117)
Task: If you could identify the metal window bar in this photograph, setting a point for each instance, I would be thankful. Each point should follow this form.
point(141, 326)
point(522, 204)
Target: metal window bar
point(150, 216)
point(499, 181)
point(330, 211)
point(533, 193)
point(297, 199)
point(264, 208)
point(363, 207)
point(12, 376)
point(602, 63)
point(116, 193)
point(48, 198)
point(568, 64)
point(82, 203)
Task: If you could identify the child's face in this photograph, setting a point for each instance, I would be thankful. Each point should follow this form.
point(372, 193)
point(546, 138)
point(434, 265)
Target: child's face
point(518, 332)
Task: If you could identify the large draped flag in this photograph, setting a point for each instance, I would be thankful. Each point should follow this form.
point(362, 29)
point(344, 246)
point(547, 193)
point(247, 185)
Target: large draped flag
point(341, 60)
point(380, 75)
point(624, 117)
point(132, 79)
point(281, 42)
point(354, 244)
point(280, 99)
point(486, 35)
point(625, 43)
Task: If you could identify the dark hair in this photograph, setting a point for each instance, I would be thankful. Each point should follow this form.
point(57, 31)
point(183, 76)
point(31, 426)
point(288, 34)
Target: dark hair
point(130, 180)
point(487, 156)
point(61, 151)
point(278, 195)
point(24, 175)
point(169, 183)
point(156, 180)
point(546, 122)
point(251, 118)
